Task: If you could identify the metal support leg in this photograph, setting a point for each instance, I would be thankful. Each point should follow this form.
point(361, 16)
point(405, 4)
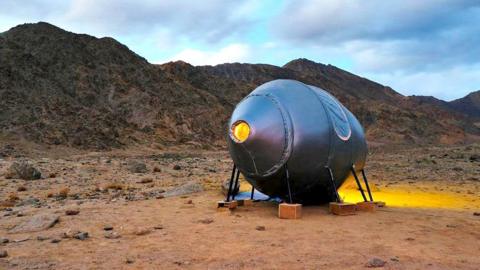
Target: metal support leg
point(366, 184)
point(251, 194)
point(358, 183)
point(229, 192)
point(234, 190)
point(287, 178)
point(332, 181)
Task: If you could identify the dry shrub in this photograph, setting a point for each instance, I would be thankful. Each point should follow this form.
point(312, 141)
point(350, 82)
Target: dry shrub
point(63, 193)
point(9, 174)
point(10, 201)
point(116, 186)
point(146, 180)
point(21, 188)
point(12, 197)
point(7, 204)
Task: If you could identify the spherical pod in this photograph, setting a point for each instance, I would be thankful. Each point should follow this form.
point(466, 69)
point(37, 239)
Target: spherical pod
point(287, 128)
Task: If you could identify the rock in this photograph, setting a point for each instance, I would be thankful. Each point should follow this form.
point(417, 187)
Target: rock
point(23, 170)
point(21, 239)
point(188, 188)
point(81, 236)
point(146, 180)
point(107, 227)
point(142, 231)
point(474, 157)
point(136, 166)
point(260, 228)
point(3, 254)
point(375, 262)
point(177, 167)
point(112, 235)
point(30, 201)
point(72, 212)
point(55, 241)
point(42, 238)
point(189, 202)
point(206, 220)
point(36, 223)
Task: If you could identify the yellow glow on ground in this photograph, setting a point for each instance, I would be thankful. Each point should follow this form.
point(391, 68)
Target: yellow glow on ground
point(412, 196)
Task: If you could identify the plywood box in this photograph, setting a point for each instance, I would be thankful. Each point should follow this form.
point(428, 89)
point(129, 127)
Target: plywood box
point(290, 211)
point(342, 209)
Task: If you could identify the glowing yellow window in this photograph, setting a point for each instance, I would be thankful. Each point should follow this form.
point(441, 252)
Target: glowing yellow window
point(240, 131)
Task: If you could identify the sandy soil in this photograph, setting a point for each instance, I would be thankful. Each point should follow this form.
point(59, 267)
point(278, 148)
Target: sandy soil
point(430, 223)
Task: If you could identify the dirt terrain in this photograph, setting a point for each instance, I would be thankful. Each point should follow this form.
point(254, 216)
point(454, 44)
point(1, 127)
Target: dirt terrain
point(144, 209)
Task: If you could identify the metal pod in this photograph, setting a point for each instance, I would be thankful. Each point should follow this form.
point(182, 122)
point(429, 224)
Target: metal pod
point(285, 127)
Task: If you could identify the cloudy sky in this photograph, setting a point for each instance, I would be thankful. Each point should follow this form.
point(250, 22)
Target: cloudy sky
point(428, 47)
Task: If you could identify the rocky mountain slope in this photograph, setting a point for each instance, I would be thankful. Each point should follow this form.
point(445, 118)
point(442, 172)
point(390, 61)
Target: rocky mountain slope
point(58, 87)
point(469, 105)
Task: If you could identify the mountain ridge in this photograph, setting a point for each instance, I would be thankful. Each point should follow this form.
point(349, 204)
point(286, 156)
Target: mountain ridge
point(58, 87)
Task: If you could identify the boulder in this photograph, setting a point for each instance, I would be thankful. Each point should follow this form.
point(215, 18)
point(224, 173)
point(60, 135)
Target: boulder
point(188, 188)
point(36, 223)
point(23, 170)
point(136, 166)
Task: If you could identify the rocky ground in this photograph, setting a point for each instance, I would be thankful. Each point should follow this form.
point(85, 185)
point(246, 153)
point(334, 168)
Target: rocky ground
point(150, 209)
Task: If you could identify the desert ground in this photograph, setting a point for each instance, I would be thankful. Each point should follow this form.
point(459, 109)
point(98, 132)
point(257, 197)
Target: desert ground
point(143, 208)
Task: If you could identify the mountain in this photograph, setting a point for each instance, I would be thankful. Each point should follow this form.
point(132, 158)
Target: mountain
point(387, 116)
point(469, 105)
point(57, 87)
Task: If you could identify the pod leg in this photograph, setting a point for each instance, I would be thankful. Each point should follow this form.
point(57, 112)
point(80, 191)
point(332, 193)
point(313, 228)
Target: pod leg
point(358, 183)
point(251, 194)
point(287, 179)
point(366, 184)
point(334, 187)
point(229, 192)
point(235, 190)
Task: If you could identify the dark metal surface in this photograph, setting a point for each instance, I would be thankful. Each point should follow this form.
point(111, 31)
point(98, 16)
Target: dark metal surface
point(358, 184)
point(299, 128)
point(366, 184)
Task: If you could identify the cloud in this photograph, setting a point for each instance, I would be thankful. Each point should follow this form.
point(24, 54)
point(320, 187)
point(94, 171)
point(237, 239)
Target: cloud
point(447, 84)
point(208, 21)
point(415, 46)
point(340, 20)
point(388, 35)
point(228, 54)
